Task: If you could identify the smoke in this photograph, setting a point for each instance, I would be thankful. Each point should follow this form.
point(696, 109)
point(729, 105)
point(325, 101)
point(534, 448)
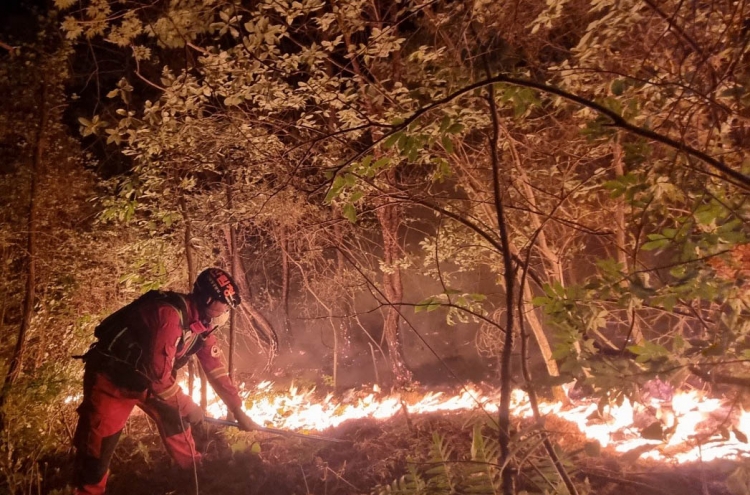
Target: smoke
point(436, 352)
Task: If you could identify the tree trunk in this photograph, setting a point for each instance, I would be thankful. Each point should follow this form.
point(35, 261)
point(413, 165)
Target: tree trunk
point(534, 403)
point(509, 276)
point(388, 217)
point(538, 331)
point(255, 319)
point(192, 275)
point(346, 344)
point(285, 283)
point(16, 361)
point(474, 187)
point(4, 295)
point(190, 259)
point(554, 268)
point(191, 377)
point(204, 388)
point(335, 354)
point(634, 330)
point(234, 271)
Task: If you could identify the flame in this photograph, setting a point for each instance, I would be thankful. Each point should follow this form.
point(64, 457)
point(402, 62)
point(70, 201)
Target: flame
point(302, 410)
point(692, 423)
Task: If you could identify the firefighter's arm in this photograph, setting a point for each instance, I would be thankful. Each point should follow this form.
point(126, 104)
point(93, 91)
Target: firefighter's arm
point(212, 361)
point(164, 321)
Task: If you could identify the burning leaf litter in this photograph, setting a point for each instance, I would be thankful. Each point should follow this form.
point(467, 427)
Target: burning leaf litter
point(686, 427)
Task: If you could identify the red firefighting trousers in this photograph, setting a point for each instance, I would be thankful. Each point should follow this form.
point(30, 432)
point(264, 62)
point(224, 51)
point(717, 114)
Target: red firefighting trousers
point(102, 416)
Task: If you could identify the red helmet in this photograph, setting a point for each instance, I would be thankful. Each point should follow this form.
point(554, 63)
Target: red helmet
point(218, 285)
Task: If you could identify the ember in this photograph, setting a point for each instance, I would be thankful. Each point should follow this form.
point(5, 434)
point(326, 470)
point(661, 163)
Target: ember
point(684, 427)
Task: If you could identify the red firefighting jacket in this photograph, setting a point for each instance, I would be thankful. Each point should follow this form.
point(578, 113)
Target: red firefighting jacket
point(150, 340)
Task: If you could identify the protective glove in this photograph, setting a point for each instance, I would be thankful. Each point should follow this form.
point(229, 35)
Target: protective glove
point(244, 421)
point(195, 415)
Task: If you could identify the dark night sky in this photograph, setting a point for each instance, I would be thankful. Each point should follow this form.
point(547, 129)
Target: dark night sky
point(17, 18)
point(17, 6)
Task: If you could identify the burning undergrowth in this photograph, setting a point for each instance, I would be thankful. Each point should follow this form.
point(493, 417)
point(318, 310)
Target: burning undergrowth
point(664, 425)
point(442, 441)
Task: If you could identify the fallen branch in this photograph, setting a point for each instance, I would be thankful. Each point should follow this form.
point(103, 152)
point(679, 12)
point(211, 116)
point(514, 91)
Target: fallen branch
point(719, 378)
point(11, 49)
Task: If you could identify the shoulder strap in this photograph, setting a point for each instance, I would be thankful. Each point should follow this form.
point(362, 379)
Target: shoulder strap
point(112, 326)
point(177, 301)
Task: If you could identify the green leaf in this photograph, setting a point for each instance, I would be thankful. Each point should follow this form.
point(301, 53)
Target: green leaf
point(447, 144)
point(706, 214)
point(413, 154)
point(381, 163)
point(455, 128)
point(656, 244)
point(669, 301)
point(241, 445)
point(561, 352)
point(444, 123)
point(648, 351)
point(540, 301)
point(593, 448)
point(477, 445)
point(392, 139)
point(617, 87)
point(613, 104)
point(443, 169)
point(338, 184)
point(349, 212)
point(519, 108)
point(429, 304)
point(403, 141)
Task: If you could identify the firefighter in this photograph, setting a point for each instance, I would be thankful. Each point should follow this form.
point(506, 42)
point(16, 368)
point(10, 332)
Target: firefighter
point(134, 363)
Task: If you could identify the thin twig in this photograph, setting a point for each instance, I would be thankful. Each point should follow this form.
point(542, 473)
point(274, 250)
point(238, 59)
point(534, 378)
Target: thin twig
point(374, 363)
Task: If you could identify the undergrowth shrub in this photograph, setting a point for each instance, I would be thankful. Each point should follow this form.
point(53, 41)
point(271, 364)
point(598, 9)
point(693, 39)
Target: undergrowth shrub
point(40, 422)
point(446, 469)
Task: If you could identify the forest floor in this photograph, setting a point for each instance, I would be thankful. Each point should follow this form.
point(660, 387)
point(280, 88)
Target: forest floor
point(375, 453)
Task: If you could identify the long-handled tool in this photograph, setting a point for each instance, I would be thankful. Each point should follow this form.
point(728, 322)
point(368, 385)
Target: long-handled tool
point(273, 431)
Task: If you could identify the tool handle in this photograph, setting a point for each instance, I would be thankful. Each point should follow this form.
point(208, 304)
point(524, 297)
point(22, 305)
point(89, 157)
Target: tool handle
point(220, 422)
point(273, 431)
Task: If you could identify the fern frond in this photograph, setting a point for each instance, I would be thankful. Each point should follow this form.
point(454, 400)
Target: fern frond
point(440, 477)
point(408, 484)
